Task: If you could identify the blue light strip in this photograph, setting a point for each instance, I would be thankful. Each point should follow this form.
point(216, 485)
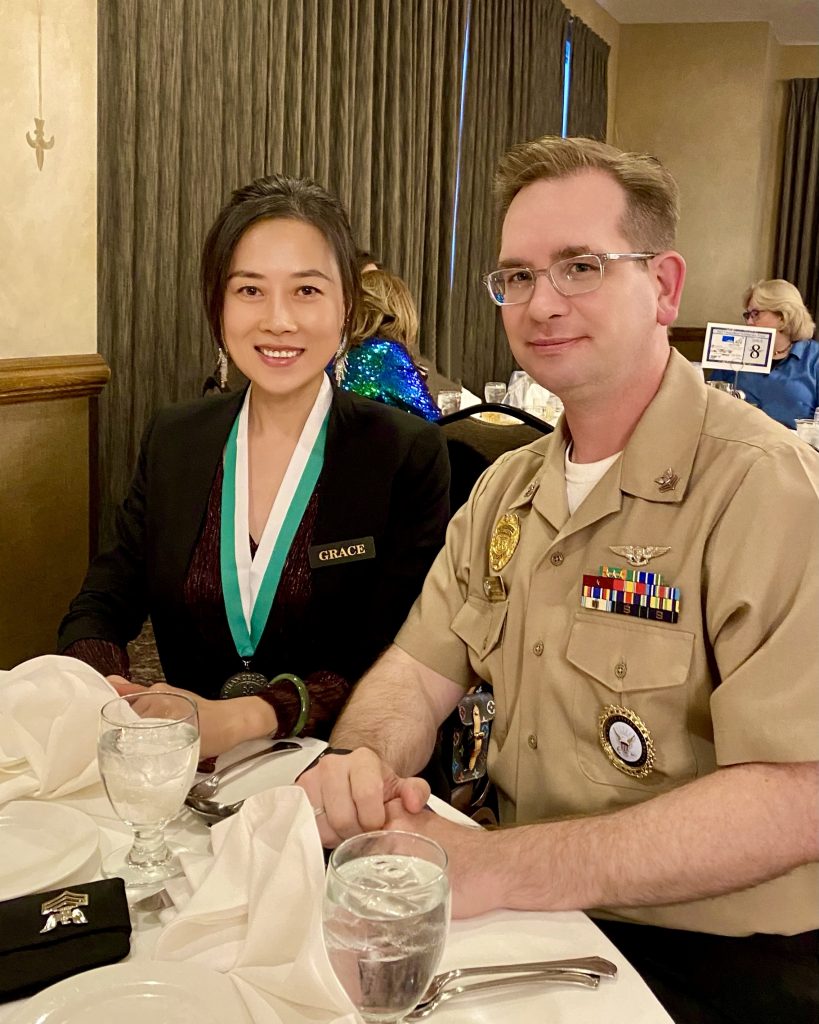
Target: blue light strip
point(567, 81)
point(464, 65)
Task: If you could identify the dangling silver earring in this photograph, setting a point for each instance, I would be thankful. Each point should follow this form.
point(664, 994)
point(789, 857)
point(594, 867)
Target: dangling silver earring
point(340, 360)
point(222, 369)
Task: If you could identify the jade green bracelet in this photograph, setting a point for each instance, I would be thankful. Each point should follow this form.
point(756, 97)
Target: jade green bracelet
point(304, 698)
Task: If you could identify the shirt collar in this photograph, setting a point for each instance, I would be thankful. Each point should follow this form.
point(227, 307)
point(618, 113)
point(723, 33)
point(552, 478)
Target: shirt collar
point(658, 458)
point(659, 455)
point(797, 350)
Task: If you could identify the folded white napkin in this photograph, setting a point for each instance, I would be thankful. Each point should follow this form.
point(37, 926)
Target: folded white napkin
point(49, 715)
point(255, 913)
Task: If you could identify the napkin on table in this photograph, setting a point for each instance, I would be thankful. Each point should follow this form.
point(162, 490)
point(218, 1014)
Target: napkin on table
point(255, 913)
point(49, 717)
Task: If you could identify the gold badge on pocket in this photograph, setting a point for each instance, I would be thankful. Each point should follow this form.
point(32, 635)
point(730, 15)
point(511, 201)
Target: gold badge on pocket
point(504, 540)
point(626, 741)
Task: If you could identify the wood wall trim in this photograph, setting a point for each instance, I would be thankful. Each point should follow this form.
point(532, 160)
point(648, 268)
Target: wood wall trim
point(687, 334)
point(45, 378)
point(688, 342)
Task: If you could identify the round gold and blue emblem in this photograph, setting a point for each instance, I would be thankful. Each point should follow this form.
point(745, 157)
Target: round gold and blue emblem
point(626, 741)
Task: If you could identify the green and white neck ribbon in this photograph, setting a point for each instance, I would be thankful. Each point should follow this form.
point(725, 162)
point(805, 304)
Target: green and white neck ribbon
point(249, 584)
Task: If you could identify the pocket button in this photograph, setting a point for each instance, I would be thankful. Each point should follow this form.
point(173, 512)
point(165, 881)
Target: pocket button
point(557, 558)
point(620, 669)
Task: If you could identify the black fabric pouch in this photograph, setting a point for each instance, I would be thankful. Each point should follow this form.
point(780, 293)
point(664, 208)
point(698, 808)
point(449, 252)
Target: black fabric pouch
point(96, 932)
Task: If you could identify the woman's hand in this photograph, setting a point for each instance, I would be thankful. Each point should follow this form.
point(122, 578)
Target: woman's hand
point(222, 723)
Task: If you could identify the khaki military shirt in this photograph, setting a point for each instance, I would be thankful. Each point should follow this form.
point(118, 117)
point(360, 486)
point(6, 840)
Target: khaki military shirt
point(732, 495)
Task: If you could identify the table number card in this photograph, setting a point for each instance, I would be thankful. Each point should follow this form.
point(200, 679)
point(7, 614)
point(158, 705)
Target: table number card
point(731, 347)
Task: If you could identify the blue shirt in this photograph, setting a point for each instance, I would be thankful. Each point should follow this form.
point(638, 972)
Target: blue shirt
point(790, 391)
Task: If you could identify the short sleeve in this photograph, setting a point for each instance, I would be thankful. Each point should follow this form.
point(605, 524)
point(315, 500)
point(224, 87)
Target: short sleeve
point(427, 634)
point(761, 594)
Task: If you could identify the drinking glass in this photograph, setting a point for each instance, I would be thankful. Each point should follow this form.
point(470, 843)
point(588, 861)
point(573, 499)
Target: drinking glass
point(494, 391)
point(148, 749)
point(449, 401)
point(386, 915)
point(721, 385)
point(554, 407)
point(808, 430)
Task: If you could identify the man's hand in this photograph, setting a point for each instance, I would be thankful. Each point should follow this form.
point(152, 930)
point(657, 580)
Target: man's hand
point(353, 790)
point(222, 723)
point(474, 874)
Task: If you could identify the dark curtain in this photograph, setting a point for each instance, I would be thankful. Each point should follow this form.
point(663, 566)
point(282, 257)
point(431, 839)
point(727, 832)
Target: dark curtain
point(197, 97)
point(588, 93)
point(513, 94)
point(797, 246)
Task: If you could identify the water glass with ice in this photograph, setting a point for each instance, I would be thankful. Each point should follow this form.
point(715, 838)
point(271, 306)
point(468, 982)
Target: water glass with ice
point(386, 916)
point(449, 401)
point(494, 392)
point(148, 749)
point(808, 430)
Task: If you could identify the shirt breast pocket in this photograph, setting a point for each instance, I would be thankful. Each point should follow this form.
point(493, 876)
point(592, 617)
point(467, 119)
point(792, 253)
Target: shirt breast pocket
point(644, 669)
point(480, 625)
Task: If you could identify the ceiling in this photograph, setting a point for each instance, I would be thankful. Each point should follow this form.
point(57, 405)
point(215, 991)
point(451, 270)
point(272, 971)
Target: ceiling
point(793, 21)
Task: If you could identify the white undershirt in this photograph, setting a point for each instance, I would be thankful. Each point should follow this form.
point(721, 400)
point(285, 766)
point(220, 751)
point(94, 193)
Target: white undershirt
point(581, 478)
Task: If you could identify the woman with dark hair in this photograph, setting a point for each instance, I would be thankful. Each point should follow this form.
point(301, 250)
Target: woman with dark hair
point(274, 559)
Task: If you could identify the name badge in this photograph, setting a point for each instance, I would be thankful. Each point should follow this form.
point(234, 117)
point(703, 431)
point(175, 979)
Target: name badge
point(357, 550)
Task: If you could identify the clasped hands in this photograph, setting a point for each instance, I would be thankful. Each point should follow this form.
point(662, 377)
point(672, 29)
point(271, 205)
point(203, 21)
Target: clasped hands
point(358, 792)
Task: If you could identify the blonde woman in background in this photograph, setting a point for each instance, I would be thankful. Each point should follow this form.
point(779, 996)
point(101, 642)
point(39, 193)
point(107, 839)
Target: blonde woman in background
point(380, 364)
point(791, 390)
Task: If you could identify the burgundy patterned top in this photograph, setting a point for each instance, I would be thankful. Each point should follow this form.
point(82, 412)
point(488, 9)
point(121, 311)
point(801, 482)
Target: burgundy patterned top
point(203, 597)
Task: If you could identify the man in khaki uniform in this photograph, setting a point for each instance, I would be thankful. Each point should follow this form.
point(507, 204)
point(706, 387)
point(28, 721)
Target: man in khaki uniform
point(640, 588)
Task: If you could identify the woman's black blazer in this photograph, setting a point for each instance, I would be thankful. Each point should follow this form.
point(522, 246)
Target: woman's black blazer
point(385, 477)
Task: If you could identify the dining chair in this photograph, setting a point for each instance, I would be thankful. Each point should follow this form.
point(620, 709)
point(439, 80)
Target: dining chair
point(474, 444)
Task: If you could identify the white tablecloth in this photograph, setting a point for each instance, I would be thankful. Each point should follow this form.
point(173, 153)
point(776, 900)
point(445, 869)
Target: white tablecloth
point(499, 937)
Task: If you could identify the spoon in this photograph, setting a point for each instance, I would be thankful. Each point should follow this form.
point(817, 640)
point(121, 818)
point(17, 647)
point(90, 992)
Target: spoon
point(212, 808)
point(551, 975)
point(207, 787)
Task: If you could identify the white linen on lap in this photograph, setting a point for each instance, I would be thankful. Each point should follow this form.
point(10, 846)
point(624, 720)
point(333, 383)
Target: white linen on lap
point(49, 715)
point(255, 912)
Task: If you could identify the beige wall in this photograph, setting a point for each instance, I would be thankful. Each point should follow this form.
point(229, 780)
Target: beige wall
point(798, 62)
point(704, 99)
point(607, 28)
point(48, 217)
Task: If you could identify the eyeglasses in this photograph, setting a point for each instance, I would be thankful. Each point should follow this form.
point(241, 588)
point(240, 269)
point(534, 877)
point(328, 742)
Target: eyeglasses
point(752, 315)
point(511, 286)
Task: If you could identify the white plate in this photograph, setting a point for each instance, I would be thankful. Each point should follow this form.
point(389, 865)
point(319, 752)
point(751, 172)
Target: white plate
point(498, 419)
point(277, 770)
point(149, 992)
point(42, 844)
